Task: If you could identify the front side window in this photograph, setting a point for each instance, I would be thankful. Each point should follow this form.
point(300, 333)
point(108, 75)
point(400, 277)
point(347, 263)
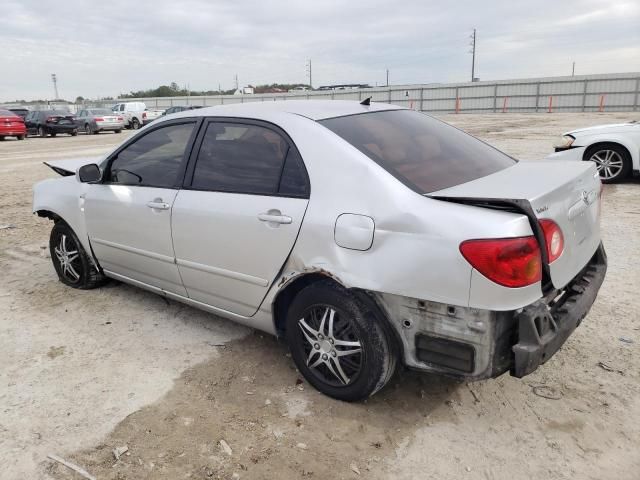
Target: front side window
point(154, 160)
point(243, 158)
point(424, 153)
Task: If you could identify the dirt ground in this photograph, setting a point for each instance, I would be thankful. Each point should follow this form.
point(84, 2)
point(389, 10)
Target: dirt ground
point(85, 372)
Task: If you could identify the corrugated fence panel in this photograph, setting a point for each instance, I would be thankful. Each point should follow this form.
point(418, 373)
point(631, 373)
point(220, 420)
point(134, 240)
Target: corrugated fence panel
point(613, 92)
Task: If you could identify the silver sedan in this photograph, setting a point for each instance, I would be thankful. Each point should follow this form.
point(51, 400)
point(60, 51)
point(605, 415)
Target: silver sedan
point(366, 235)
point(96, 120)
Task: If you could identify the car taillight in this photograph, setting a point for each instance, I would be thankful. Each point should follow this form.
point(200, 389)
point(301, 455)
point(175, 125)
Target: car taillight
point(553, 238)
point(51, 119)
point(120, 118)
point(144, 114)
point(511, 262)
point(99, 119)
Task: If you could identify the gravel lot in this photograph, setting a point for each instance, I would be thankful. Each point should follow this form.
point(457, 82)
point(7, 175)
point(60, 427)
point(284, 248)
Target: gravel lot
point(84, 372)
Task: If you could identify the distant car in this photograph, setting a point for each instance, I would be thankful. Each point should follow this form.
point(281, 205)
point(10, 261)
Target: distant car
point(21, 112)
point(96, 120)
point(50, 122)
point(365, 234)
point(614, 148)
point(11, 125)
point(136, 114)
point(180, 108)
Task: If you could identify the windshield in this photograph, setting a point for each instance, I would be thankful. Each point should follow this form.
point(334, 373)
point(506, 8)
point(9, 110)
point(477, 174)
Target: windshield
point(424, 153)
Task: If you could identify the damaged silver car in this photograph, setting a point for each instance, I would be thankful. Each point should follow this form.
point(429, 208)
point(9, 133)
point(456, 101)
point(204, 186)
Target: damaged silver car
point(365, 234)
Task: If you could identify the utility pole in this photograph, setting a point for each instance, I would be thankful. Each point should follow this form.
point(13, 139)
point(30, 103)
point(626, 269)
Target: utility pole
point(473, 55)
point(309, 74)
point(387, 77)
point(237, 84)
point(573, 69)
point(54, 79)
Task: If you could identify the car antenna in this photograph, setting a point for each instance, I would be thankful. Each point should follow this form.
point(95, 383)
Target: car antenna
point(366, 101)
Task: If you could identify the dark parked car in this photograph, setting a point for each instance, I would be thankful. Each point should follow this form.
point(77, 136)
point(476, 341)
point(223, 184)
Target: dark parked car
point(20, 111)
point(50, 122)
point(180, 108)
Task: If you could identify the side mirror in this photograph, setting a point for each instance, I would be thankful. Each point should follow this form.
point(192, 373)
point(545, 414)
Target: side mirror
point(89, 173)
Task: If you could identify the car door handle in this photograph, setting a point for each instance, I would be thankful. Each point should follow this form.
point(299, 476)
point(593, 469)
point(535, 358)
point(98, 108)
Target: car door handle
point(158, 204)
point(275, 218)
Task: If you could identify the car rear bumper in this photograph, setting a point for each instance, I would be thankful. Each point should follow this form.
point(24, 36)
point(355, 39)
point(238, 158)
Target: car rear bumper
point(61, 128)
point(478, 344)
point(12, 132)
point(109, 126)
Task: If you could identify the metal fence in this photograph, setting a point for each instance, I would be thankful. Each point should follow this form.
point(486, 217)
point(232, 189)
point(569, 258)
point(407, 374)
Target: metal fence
point(584, 93)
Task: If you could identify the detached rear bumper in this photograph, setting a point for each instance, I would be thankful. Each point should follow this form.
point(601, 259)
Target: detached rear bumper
point(478, 344)
point(543, 328)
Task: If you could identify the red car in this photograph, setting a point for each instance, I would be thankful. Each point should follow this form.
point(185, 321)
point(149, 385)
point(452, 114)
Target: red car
point(11, 125)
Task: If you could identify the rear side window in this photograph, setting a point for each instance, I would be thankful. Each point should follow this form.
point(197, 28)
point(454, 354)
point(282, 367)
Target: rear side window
point(243, 158)
point(154, 160)
point(424, 153)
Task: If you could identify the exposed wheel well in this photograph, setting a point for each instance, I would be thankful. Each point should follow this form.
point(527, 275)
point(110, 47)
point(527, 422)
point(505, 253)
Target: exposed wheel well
point(50, 215)
point(591, 148)
point(285, 297)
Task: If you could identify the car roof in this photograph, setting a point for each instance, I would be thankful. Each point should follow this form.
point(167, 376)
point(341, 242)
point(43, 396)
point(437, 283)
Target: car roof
point(313, 109)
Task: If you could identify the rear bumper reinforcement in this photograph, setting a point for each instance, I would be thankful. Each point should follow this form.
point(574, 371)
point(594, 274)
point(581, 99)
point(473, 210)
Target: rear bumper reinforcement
point(543, 329)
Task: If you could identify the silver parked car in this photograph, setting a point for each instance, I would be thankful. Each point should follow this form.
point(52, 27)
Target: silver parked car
point(365, 234)
point(96, 120)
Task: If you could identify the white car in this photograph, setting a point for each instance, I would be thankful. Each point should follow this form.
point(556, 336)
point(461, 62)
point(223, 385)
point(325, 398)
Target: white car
point(614, 148)
point(365, 234)
point(136, 114)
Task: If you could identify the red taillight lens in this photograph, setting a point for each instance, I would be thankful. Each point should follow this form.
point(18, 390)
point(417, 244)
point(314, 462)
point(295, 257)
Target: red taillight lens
point(51, 119)
point(99, 119)
point(144, 114)
point(511, 262)
point(553, 238)
point(120, 118)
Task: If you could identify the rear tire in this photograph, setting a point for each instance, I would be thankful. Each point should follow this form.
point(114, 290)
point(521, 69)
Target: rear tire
point(71, 262)
point(348, 355)
point(21, 137)
point(1, 139)
point(42, 132)
point(612, 160)
point(74, 133)
point(53, 134)
point(135, 124)
point(117, 131)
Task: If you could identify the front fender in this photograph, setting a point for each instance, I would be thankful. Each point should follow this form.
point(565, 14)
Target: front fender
point(63, 197)
point(620, 138)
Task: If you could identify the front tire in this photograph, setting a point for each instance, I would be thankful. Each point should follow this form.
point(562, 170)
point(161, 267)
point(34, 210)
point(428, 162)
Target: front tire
point(612, 160)
point(338, 343)
point(71, 262)
point(117, 131)
point(42, 132)
point(135, 124)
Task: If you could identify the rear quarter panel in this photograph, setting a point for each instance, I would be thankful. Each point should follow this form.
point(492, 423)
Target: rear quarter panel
point(415, 250)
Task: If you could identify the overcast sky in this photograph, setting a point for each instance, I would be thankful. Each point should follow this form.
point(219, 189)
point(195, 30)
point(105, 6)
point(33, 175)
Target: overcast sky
point(107, 48)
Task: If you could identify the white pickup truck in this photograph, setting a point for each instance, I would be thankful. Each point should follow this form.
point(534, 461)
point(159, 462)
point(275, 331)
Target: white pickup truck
point(136, 114)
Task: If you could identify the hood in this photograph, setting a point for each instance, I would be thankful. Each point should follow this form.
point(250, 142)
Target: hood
point(611, 128)
point(70, 166)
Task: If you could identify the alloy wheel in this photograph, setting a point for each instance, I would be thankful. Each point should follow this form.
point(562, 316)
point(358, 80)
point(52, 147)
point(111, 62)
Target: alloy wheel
point(608, 162)
point(68, 258)
point(332, 347)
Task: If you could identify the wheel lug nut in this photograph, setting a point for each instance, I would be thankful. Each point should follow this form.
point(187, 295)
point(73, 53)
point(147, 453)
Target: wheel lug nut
point(331, 341)
point(320, 337)
point(316, 346)
point(333, 353)
point(324, 356)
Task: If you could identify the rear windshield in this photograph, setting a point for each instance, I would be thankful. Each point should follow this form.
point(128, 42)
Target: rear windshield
point(424, 153)
point(100, 111)
point(7, 113)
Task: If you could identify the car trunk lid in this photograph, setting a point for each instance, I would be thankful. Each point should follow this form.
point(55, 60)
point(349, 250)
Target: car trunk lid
point(566, 192)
